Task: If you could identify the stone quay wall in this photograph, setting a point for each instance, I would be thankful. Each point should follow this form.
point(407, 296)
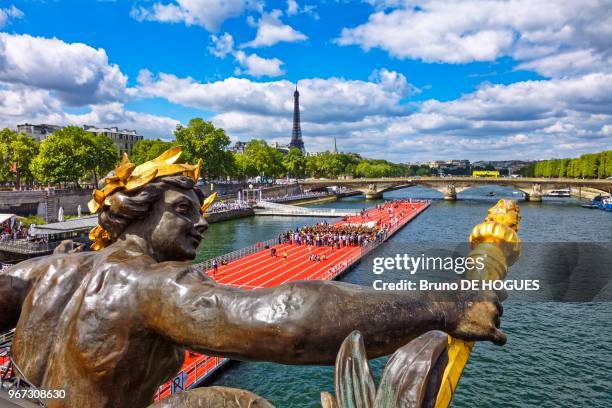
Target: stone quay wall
point(229, 215)
point(44, 203)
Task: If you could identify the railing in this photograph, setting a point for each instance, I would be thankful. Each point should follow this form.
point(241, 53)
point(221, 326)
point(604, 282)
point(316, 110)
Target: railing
point(308, 213)
point(5, 369)
point(11, 378)
point(294, 210)
point(299, 197)
point(218, 210)
point(239, 253)
point(27, 247)
point(190, 375)
point(6, 338)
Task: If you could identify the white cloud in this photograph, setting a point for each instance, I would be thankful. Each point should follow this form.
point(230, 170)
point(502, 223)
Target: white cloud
point(222, 45)
point(209, 14)
point(470, 30)
point(250, 64)
point(292, 7)
point(323, 100)
point(115, 114)
point(531, 100)
point(561, 117)
point(531, 119)
point(21, 104)
point(76, 73)
point(6, 14)
point(257, 66)
point(270, 31)
point(41, 78)
point(570, 63)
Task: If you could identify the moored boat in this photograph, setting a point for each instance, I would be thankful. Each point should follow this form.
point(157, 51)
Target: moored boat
point(564, 192)
point(595, 203)
point(605, 204)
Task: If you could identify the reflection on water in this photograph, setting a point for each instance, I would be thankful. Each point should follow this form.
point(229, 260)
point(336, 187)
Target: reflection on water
point(558, 354)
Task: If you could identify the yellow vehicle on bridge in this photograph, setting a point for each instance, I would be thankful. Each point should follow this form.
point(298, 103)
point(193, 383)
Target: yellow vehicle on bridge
point(485, 173)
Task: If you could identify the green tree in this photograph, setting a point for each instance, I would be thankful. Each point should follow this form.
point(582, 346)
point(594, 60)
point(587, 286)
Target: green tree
point(563, 167)
point(312, 166)
point(381, 168)
point(16, 151)
point(330, 164)
point(422, 171)
point(6, 136)
point(265, 159)
point(202, 140)
point(105, 155)
point(148, 149)
point(605, 164)
point(65, 156)
point(24, 149)
point(295, 163)
point(594, 165)
point(589, 164)
point(243, 166)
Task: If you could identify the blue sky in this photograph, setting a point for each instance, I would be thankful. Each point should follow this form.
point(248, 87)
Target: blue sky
point(402, 80)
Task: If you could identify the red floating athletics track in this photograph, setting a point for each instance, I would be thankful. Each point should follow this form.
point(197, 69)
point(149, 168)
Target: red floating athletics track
point(262, 270)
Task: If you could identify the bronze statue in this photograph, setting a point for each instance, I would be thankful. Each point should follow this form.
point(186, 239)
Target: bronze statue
point(411, 378)
point(110, 326)
point(210, 397)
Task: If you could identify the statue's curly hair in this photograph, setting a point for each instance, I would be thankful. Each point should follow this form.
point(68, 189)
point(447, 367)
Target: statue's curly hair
point(127, 207)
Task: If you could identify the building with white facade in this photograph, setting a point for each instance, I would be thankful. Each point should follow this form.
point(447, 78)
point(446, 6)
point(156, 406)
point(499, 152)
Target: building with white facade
point(123, 139)
point(38, 132)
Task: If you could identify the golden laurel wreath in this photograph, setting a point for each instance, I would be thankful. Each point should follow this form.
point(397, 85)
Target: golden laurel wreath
point(129, 177)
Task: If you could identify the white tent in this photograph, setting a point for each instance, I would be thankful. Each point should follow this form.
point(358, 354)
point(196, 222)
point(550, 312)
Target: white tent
point(8, 217)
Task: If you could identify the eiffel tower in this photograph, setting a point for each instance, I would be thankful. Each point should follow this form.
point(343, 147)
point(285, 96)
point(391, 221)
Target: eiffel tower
point(296, 134)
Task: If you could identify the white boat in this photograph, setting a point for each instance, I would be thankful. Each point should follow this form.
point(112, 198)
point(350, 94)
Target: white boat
point(564, 192)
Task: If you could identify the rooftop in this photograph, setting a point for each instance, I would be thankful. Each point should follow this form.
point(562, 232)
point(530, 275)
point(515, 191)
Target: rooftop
point(71, 225)
point(110, 129)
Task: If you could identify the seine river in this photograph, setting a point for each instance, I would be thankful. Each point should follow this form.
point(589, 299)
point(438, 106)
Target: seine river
point(557, 354)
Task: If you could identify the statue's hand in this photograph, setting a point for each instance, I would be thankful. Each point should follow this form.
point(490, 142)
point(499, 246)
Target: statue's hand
point(479, 317)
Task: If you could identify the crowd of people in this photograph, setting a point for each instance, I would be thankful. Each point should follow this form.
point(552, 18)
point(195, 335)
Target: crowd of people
point(334, 236)
point(14, 232)
point(222, 206)
point(394, 209)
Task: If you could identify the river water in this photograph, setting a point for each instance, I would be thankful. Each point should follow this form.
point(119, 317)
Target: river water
point(558, 354)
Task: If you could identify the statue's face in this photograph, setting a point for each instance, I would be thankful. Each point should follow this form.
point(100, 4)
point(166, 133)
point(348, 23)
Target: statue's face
point(178, 227)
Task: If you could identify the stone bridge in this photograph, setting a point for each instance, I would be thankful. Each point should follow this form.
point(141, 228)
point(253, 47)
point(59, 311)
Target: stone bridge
point(534, 188)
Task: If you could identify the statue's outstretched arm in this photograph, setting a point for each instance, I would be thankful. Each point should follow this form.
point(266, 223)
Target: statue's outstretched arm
point(14, 285)
point(305, 322)
point(15, 282)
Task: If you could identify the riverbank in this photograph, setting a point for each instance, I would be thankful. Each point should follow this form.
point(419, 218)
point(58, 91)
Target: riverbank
point(313, 200)
point(212, 218)
point(585, 193)
point(322, 200)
